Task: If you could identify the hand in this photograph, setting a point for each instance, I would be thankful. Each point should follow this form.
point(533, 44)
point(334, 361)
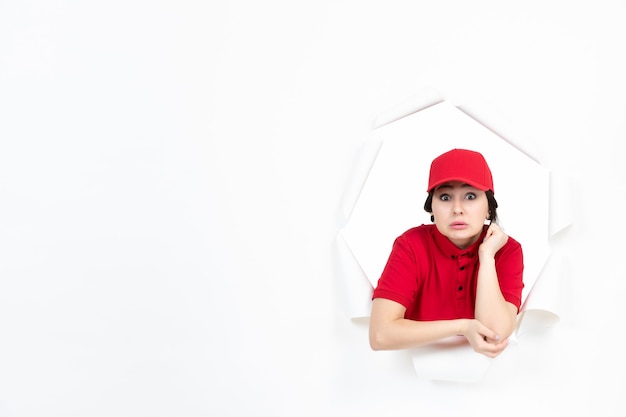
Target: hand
point(494, 240)
point(483, 340)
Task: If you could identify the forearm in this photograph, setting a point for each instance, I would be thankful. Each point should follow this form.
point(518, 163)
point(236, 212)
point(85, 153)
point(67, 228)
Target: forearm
point(491, 307)
point(389, 330)
point(404, 333)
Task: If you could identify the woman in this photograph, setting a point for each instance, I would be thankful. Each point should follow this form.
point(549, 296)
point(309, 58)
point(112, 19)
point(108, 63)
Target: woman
point(461, 275)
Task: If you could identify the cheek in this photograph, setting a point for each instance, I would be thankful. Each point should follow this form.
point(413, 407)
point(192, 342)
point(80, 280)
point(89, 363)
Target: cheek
point(436, 207)
point(484, 210)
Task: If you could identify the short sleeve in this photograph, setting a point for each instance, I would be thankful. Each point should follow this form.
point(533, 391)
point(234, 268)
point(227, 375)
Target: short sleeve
point(398, 281)
point(510, 270)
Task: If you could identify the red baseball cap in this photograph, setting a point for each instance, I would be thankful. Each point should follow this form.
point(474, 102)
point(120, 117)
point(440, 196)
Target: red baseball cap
point(461, 165)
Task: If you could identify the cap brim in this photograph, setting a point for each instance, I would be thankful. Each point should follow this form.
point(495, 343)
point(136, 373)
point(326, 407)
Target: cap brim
point(481, 187)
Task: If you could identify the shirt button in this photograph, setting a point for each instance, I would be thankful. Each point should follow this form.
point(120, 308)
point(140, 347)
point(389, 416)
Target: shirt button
point(460, 288)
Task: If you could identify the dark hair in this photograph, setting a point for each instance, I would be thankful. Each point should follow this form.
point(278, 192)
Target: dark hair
point(491, 202)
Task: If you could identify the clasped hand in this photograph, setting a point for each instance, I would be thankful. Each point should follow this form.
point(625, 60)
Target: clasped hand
point(493, 241)
point(483, 340)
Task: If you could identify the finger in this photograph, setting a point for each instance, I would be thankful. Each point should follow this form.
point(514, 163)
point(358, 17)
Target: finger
point(485, 332)
point(490, 349)
point(491, 337)
point(490, 231)
point(497, 348)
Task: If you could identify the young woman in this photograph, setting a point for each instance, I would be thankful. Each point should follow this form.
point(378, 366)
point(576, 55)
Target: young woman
point(461, 275)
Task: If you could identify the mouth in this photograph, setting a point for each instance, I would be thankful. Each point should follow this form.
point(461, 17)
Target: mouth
point(458, 225)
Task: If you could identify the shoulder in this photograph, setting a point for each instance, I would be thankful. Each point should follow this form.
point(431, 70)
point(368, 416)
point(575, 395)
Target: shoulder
point(513, 244)
point(511, 249)
point(425, 231)
point(416, 237)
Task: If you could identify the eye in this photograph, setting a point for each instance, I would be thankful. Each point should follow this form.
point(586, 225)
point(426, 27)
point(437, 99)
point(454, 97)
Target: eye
point(444, 197)
point(470, 196)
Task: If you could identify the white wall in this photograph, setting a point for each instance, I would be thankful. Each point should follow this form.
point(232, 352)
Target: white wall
point(170, 180)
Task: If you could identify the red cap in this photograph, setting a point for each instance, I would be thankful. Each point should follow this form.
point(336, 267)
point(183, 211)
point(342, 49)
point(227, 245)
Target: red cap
point(461, 165)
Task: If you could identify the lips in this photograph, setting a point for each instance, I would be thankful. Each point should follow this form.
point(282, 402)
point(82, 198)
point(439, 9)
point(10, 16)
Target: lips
point(458, 225)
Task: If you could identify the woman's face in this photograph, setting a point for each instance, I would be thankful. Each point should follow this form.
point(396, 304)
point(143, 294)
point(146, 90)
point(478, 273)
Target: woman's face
point(460, 211)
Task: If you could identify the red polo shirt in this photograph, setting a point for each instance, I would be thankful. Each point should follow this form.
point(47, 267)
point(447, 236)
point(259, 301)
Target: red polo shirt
point(435, 280)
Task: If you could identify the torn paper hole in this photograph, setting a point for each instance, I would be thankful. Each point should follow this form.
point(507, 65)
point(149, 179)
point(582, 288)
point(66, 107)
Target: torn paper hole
point(390, 197)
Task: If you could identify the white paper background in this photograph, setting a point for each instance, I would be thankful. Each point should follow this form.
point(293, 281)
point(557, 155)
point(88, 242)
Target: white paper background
point(171, 178)
point(390, 201)
point(392, 198)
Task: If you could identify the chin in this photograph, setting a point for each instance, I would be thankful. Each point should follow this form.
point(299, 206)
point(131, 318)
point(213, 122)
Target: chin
point(466, 237)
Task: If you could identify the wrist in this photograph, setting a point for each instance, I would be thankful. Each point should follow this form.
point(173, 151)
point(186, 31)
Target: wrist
point(463, 325)
point(484, 256)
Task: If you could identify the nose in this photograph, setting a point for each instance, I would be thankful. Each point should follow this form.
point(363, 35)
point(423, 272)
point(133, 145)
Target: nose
point(457, 208)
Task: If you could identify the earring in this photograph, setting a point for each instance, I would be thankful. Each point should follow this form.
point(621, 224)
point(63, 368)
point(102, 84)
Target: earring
point(432, 218)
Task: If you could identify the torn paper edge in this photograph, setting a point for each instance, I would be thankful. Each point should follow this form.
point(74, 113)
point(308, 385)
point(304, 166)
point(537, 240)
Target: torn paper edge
point(418, 102)
point(534, 313)
point(357, 178)
point(505, 131)
point(356, 288)
point(561, 206)
point(542, 306)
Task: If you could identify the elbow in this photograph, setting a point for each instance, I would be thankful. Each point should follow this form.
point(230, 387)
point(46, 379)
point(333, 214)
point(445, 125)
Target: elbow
point(508, 327)
point(374, 345)
point(503, 322)
point(377, 340)
point(504, 330)
point(508, 330)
